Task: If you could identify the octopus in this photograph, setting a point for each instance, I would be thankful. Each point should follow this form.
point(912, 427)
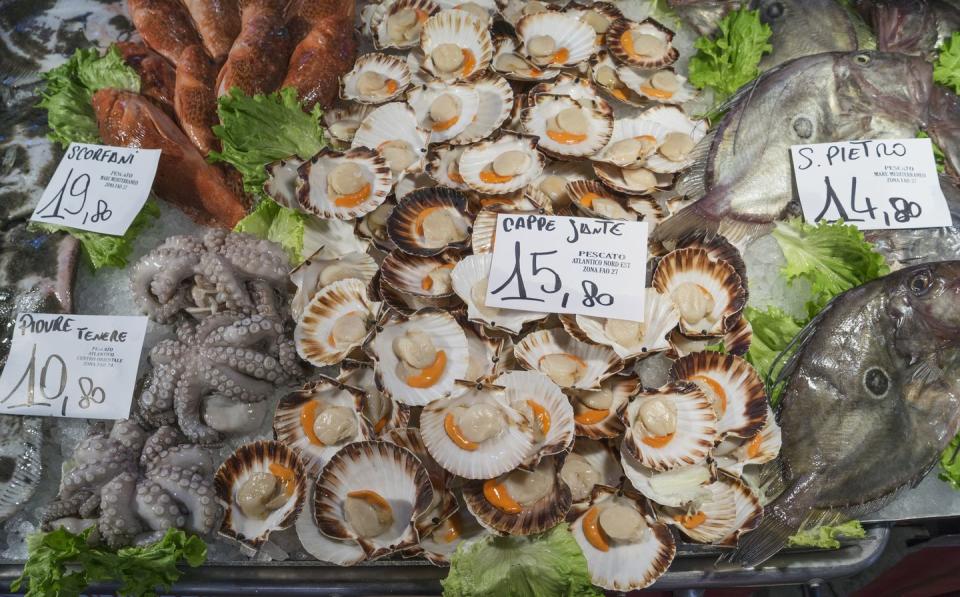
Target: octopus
point(132, 485)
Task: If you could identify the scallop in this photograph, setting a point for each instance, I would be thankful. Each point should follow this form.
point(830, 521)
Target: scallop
point(375, 79)
point(735, 453)
point(636, 181)
point(484, 232)
point(392, 131)
point(595, 411)
point(335, 323)
point(430, 221)
point(546, 409)
point(502, 165)
point(496, 102)
point(599, 15)
point(648, 209)
point(373, 226)
point(372, 492)
point(731, 510)
point(552, 182)
point(508, 62)
point(262, 487)
point(631, 142)
point(341, 552)
point(567, 128)
point(469, 279)
point(342, 121)
point(443, 166)
point(590, 463)
point(569, 363)
point(420, 357)
point(281, 185)
point(663, 86)
point(456, 45)
point(400, 24)
point(426, 278)
point(528, 200)
point(554, 39)
point(318, 271)
point(486, 356)
point(630, 339)
point(380, 411)
point(603, 73)
point(477, 435)
point(579, 89)
point(595, 200)
point(709, 295)
point(676, 487)
point(676, 149)
point(483, 10)
point(343, 186)
point(521, 502)
point(647, 44)
point(444, 109)
point(736, 341)
point(320, 419)
point(515, 10)
point(626, 548)
point(442, 542)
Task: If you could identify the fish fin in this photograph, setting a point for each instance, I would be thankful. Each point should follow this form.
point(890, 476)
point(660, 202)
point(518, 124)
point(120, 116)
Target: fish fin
point(692, 219)
point(760, 544)
point(741, 233)
point(693, 183)
point(927, 371)
point(770, 481)
point(796, 346)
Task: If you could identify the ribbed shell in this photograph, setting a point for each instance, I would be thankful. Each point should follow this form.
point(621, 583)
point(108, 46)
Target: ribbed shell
point(439, 553)
point(569, 171)
point(630, 128)
point(639, 82)
point(468, 272)
point(484, 232)
point(618, 91)
point(405, 226)
point(622, 388)
point(585, 192)
point(659, 318)
point(537, 117)
point(421, 98)
point(319, 270)
point(381, 412)
point(314, 330)
point(716, 278)
point(696, 429)
point(486, 356)
point(395, 121)
point(615, 35)
point(719, 249)
point(532, 385)
point(379, 23)
point(676, 487)
point(281, 183)
point(233, 473)
point(674, 119)
point(569, 34)
point(734, 453)
point(496, 102)
point(390, 67)
point(343, 120)
point(602, 457)
point(736, 341)
point(608, 10)
point(579, 89)
point(479, 156)
point(406, 274)
point(441, 160)
point(373, 226)
point(312, 187)
point(731, 510)
point(462, 29)
point(505, 45)
point(601, 362)
point(326, 549)
point(648, 209)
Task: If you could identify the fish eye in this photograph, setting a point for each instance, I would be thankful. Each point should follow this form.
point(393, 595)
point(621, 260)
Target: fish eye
point(862, 59)
point(920, 283)
point(876, 382)
point(773, 10)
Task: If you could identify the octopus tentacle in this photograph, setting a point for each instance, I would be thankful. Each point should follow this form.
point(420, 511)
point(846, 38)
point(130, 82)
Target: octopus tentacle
point(157, 444)
point(194, 491)
point(230, 289)
point(156, 399)
point(247, 332)
point(189, 394)
point(88, 509)
point(189, 457)
point(129, 433)
point(93, 475)
point(157, 509)
point(235, 385)
point(63, 507)
point(119, 523)
point(246, 361)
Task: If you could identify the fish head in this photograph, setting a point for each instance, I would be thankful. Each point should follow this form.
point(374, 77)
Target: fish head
point(908, 26)
point(925, 306)
point(886, 86)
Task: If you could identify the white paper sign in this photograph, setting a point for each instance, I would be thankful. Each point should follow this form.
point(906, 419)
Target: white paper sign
point(81, 366)
point(560, 264)
point(879, 184)
point(98, 188)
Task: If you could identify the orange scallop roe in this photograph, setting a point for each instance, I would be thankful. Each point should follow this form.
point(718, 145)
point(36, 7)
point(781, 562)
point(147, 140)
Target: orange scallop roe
point(391, 86)
point(619, 93)
point(445, 124)
point(566, 138)
point(308, 415)
point(691, 521)
point(455, 177)
point(379, 425)
point(456, 436)
point(592, 531)
point(626, 42)
point(431, 374)
point(591, 416)
point(427, 282)
point(418, 223)
point(469, 62)
point(753, 448)
point(286, 476)
point(541, 415)
point(496, 493)
point(353, 199)
point(491, 177)
point(657, 441)
point(371, 497)
point(453, 530)
point(716, 388)
point(561, 56)
point(654, 92)
point(588, 198)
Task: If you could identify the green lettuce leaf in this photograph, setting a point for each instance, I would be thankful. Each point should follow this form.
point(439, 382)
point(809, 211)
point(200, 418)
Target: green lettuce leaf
point(731, 58)
point(950, 463)
point(828, 537)
point(546, 565)
point(832, 256)
point(272, 221)
point(63, 564)
point(255, 131)
point(946, 70)
point(773, 329)
point(938, 156)
point(70, 87)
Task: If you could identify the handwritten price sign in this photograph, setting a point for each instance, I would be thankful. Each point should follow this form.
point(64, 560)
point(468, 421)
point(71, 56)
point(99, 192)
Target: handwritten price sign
point(82, 366)
point(878, 184)
point(560, 264)
point(98, 188)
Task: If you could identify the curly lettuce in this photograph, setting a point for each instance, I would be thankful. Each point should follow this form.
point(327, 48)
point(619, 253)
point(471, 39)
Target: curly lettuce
point(272, 221)
point(946, 69)
point(950, 464)
point(731, 58)
point(828, 537)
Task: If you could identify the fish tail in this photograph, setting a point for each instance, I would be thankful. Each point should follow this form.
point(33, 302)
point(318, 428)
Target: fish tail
point(760, 544)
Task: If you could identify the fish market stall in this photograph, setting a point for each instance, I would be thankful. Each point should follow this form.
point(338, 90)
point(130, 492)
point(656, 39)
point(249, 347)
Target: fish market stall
point(416, 296)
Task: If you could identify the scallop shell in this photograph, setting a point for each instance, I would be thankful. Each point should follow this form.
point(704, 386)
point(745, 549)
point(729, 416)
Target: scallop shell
point(323, 548)
point(675, 121)
point(536, 121)
point(616, 178)
point(342, 121)
point(484, 232)
point(409, 275)
point(421, 99)
point(576, 88)
point(496, 102)
point(630, 128)
point(335, 237)
point(575, 40)
point(586, 193)
point(648, 209)
point(620, 29)
point(410, 183)
point(461, 29)
point(505, 47)
point(478, 157)
point(719, 249)
point(639, 82)
point(499, 454)
point(527, 200)
point(473, 269)
point(447, 336)
point(281, 185)
point(313, 189)
point(486, 356)
point(386, 469)
point(718, 279)
point(316, 272)
point(601, 458)
point(526, 386)
point(556, 190)
point(373, 226)
point(595, 424)
point(541, 516)
point(391, 67)
point(439, 550)
point(394, 122)
point(253, 458)
point(731, 510)
point(293, 412)
point(616, 90)
point(443, 166)
point(313, 335)
point(406, 225)
point(514, 10)
point(626, 566)
point(380, 23)
point(383, 413)
point(696, 428)
point(676, 487)
point(659, 318)
point(734, 383)
point(734, 453)
point(736, 341)
point(610, 12)
point(600, 362)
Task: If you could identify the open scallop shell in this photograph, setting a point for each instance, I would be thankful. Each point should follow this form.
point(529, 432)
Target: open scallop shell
point(501, 453)
point(595, 363)
point(676, 487)
point(443, 166)
point(477, 160)
point(486, 356)
point(590, 463)
point(466, 97)
point(391, 68)
point(659, 318)
point(576, 88)
point(602, 423)
point(689, 276)
point(387, 33)
point(550, 415)
point(573, 40)
point(473, 270)
point(462, 29)
point(537, 517)
point(625, 566)
point(394, 126)
point(603, 74)
point(514, 10)
point(538, 120)
point(648, 209)
point(314, 184)
point(595, 200)
point(719, 249)
point(644, 83)
point(441, 543)
point(733, 387)
point(391, 472)
point(599, 15)
point(631, 128)
point(496, 102)
point(484, 232)
point(508, 61)
point(296, 413)
point(734, 453)
point(281, 185)
point(552, 183)
point(415, 276)
point(326, 549)
point(695, 430)
point(731, 510)
point(527, 200)
point(636, 181)
point(373, 226)
point(248, 459)
point(736, 341)
point(383, 413)
point(343, 120)
point(429, 221)
point(314, 335)
point(675, 121)
point(620, 43)
point(318, 271)
point(446, 335)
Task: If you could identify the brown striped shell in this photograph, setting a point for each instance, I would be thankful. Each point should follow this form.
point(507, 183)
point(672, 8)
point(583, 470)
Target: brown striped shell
point(409, 229)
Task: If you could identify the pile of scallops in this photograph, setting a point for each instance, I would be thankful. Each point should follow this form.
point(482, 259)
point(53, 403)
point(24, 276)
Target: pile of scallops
point(433, 419)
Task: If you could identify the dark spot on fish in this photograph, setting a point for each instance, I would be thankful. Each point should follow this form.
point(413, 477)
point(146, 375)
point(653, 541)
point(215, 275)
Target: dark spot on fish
point(7, 466)
point(773, 10)
point(803, 127)
point(920, 282)
point(876, 381)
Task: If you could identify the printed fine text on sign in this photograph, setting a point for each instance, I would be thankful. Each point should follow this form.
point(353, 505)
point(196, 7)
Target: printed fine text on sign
point(559, 264)
point(872, 184)
point(81, 366)
point(98, 188)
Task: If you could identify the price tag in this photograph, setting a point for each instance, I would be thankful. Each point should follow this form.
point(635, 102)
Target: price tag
point(98, 188)
point(81, 366)
point(879, 184)
point(560, 264)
